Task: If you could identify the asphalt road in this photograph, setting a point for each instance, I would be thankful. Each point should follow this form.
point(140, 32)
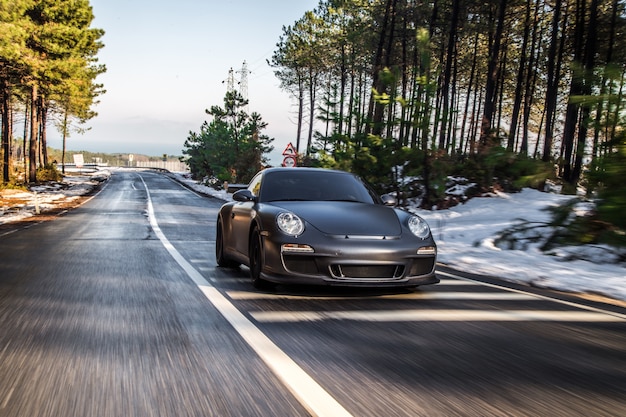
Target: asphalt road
point(118, 309)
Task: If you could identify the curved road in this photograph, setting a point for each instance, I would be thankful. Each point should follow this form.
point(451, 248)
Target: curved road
point(118, 309)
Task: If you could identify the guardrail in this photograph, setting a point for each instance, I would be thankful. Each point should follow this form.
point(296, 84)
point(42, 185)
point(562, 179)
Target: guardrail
point(172, 166)
point(91, 167)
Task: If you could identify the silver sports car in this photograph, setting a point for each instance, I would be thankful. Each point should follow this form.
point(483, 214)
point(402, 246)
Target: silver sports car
point(319, 226)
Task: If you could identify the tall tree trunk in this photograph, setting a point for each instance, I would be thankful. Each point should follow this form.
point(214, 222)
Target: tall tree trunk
point(404, 86)
point(381, 58)
point(552, 82)
point(65, 122)
point(486, 134)
point(468, 96)
point(453, 118)
point(351, 99)
point(588, 78)
point(300, 112)
point(312, 89)
point(500, 90)
point(530, 80)
point(34, 130)
point(447, 74)
point(25, 135)
point(603, 83)
point(519, 87)
point(327, 112)
point(44, 136)
point(342, 88)
point(572, 115)
point(5, 96)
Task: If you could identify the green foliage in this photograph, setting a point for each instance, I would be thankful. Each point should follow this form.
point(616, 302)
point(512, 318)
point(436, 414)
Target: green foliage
point(439, 168)
point(48, 55)
point(334, 152)
point(505, 170)
point(572, 228)
point(606, 178)
point(48, 173)
point(573, 224)
point(531, 173)
point(231, 147)
point(374, 160)
point(12, 185)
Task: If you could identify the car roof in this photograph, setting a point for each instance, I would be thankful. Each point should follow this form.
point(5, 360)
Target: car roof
point(290, 169)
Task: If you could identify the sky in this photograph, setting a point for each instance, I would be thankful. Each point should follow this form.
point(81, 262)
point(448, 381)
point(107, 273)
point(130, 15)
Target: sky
point(168, 61)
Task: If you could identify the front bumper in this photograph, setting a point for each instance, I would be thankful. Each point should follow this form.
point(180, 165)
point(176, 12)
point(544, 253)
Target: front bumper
point(350, 262)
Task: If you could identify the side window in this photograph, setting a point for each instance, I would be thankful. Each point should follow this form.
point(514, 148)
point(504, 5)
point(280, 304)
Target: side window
point(255, 185)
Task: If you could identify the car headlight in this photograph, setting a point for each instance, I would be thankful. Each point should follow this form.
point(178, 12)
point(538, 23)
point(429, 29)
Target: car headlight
point(290, 224)
point(419, 227)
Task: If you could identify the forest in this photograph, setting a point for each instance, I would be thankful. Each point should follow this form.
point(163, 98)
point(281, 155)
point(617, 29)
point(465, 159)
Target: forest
point(507, 93)
point(48, 68)
point(411, 93)
point(542, 79)
point(406, 93)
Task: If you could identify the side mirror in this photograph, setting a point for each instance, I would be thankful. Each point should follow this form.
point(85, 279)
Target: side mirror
point(244, 196)
point(389, 200)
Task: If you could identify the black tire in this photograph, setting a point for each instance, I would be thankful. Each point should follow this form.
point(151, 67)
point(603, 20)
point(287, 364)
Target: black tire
point(256, 261)
point(220, 257)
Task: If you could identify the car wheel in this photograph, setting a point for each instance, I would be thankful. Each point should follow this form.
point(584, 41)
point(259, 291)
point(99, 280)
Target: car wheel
point(256, 261)
point(220, 257)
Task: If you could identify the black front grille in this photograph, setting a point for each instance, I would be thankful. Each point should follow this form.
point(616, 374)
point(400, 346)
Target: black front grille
point(301, 265)
point(422, 266)
point(367, 271)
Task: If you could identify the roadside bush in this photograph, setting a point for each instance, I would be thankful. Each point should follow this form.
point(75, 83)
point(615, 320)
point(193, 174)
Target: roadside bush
point(13, 185)
point(48, 173)
point(505, 170)
point(578, 222)
point(531, 173)
point(606, 179)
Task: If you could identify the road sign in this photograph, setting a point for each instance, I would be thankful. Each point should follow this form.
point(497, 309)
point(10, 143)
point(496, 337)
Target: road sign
point(289, 161)
point(290, 150)
point(79, 161)
point(291, 156)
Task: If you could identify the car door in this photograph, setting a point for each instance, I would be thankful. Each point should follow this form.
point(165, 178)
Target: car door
point(242, 215)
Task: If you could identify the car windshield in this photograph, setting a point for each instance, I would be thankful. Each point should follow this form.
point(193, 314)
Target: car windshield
point(305, 185)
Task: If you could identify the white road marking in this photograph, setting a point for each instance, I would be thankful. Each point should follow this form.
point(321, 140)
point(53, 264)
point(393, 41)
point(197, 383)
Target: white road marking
point(434, 315)
point(581, 314)
point(308, 392)
point(8, 233)
point(444, 281)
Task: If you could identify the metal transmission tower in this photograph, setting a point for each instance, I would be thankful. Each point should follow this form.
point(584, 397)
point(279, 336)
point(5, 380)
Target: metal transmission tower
point(243, 84)
point(230, 81)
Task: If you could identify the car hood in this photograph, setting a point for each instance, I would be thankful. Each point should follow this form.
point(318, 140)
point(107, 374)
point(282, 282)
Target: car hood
point(346, 218)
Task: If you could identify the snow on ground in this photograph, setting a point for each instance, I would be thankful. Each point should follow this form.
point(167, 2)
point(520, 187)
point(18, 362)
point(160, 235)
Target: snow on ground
point(465, 236)
point(16, 205)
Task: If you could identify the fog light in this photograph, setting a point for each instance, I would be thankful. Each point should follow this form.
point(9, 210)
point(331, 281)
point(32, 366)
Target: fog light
point(427, 250)
point(296, 248)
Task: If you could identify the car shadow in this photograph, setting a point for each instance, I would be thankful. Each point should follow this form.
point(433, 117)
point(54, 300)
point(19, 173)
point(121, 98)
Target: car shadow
point(242, 272)
point(338, 291)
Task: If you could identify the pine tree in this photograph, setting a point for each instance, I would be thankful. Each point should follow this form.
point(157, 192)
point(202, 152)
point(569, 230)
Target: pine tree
point(232, 146)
